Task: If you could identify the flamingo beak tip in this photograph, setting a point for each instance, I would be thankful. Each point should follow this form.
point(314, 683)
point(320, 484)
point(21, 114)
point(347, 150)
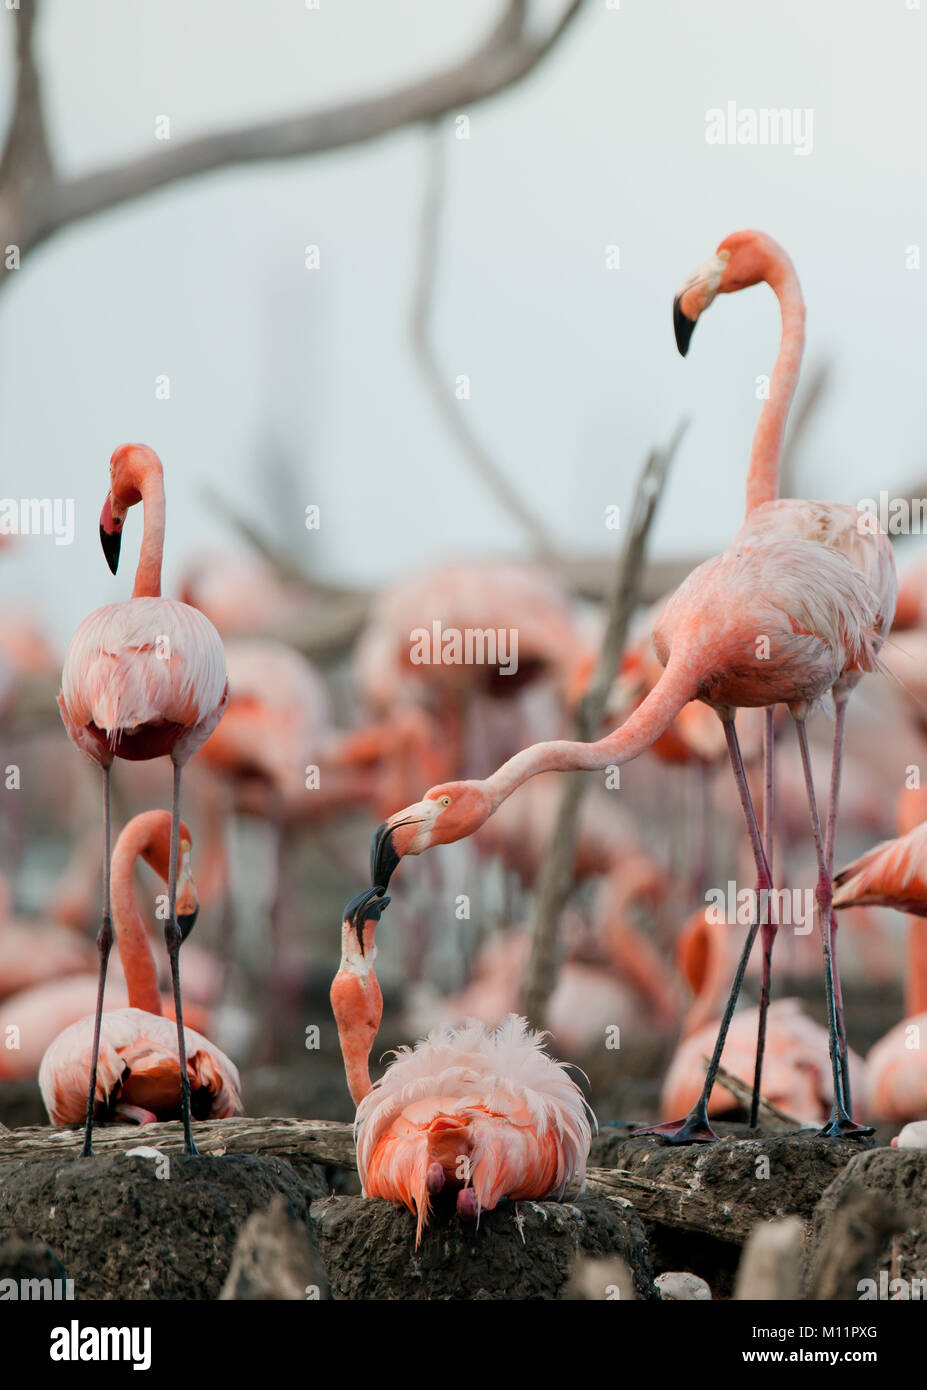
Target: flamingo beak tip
point(683, 326)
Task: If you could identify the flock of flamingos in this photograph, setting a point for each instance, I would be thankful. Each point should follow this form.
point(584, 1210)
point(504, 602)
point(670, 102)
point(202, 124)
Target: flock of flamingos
point(796, 609)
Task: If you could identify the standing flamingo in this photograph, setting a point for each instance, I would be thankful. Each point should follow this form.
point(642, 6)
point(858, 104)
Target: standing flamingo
point(141, 679)
point(134, 1056)
point(481, 1112)
point(796, 608)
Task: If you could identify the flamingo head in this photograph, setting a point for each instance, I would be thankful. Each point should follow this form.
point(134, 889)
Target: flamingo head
point(742, 259)
point(156, 852)
point(129, 466)
point(450, 811)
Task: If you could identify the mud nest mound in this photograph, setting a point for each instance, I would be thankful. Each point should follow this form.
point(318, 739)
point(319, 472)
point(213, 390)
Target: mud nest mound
point(137, 1227)
point(522, 1250)
point(871, 1223)
point(722, 1190)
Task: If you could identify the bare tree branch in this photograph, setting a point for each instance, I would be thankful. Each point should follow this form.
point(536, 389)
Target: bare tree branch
point(450, 409)
point(25, 165)
point(811, 397)
point(503, 58)
point(557, 873)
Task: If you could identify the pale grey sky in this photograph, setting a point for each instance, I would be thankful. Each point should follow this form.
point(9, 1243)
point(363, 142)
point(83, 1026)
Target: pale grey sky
point(573, 367)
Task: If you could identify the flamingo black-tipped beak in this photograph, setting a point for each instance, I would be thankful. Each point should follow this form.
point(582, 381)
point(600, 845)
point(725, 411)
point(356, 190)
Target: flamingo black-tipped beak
point(366, 907)
point(683, 326)
point(186, 921)
point(110, 536)
point(383, 857)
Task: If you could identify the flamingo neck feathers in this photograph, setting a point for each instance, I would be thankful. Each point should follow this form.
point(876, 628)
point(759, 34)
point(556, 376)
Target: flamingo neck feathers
point(766, 451)
point(131, 934)
point(357, 1004)
point(916, 986)
point(675, 688)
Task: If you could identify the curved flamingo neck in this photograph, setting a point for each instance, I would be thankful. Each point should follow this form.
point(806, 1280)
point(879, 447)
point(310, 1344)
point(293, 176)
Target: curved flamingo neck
point(134, 946)
point(148, 572)
point(766, 450)
point(916, 986)
point(675, 688)
point(703, 958)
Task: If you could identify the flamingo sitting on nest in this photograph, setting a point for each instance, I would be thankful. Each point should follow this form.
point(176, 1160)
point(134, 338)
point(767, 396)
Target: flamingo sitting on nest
point(138, 1072)
point(484, 1113)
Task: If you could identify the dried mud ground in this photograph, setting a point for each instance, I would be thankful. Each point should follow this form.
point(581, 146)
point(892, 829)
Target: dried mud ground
point(242, 1226)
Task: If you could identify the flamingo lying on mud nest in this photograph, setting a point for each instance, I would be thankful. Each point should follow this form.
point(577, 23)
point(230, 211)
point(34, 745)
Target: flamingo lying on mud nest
point(479, 1112)
point(795, 609)
point(138, 1070)
point(141, 679)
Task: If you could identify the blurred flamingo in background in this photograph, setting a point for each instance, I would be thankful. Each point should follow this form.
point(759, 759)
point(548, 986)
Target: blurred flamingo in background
point(141, 679)
point(894, 874)
point(476, 1112)
point(796, 608)
point(32, 952)
point(612, 974)
point(139, 1065)
point(798, 1073)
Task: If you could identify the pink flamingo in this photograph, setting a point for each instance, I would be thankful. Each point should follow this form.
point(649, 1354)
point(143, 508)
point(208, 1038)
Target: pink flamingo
point(894, 874)
point(135, 1054)
point(482, 1113)
point(798, 1078)
point(141, 679)
point(796, 608)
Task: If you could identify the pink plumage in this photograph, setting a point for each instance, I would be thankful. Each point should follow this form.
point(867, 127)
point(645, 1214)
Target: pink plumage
point(489, 1106)
point(142, 671)
point(138, 1070)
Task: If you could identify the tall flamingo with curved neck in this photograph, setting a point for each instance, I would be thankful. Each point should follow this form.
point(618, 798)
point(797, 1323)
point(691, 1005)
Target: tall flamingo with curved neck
point(138, 1075)
point(479, 1112)
point(141, 679)
point(796, 608)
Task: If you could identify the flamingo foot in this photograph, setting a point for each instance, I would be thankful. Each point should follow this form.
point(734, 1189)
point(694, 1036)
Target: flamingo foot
point(694, 1129)
point(467, 1205)
point(434, 1178)
point(842, 1127)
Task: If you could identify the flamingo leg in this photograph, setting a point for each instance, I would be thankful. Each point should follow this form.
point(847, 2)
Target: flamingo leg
point(770, 927)
point(695, 1128)
point(172, 939)
point(841, 1124)
point(104, 946)
point(841, 697)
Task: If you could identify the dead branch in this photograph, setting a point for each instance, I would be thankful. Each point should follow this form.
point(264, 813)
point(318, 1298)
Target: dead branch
point(313, 1141)
point(557, 872)
point(666, 1204)
point(504, 57)
point(771, 1118)
point(449, 408)
point(811, 397)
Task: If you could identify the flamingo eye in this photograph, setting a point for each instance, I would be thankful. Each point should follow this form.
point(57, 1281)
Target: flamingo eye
point(444, 801)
